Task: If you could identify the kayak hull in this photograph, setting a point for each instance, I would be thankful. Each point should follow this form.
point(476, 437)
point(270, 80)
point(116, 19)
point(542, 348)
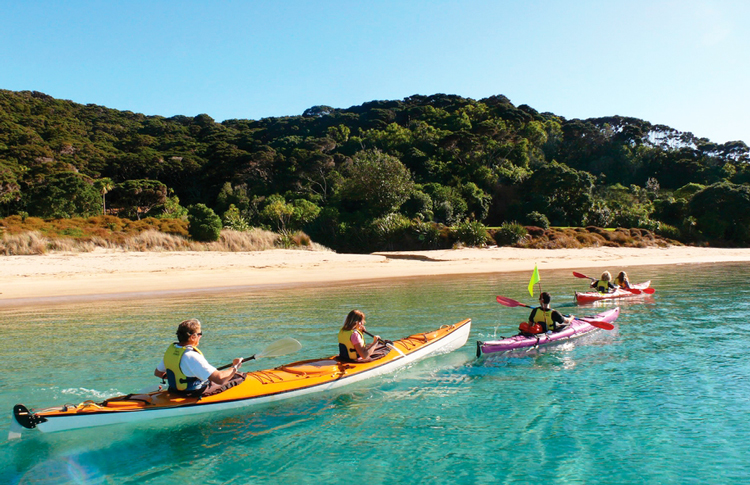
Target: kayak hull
point(259, 387)
point(592, 296)
point(576, 329)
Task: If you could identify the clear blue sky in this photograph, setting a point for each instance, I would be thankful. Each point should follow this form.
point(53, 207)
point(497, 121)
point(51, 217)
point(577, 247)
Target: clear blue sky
point(681, 63)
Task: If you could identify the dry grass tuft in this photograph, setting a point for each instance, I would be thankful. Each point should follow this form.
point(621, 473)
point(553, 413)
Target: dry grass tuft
point(153, 240)
point(149, 239)
point(253, 240)
point(26, 243)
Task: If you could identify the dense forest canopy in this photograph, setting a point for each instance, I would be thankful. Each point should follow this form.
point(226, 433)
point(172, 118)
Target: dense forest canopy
point(355, 178)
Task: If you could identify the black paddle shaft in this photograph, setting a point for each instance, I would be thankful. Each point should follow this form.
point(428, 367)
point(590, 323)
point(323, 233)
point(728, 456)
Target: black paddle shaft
point(373, 336)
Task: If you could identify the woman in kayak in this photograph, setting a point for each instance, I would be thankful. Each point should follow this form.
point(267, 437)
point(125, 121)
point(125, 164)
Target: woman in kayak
point(622, 280)
point(352, 341)
point(544, 319)
point(604, 284)
point(187, 370)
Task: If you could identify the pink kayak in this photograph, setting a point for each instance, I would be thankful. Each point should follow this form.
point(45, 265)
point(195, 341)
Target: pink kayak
point(577, 328)
point(640, 289)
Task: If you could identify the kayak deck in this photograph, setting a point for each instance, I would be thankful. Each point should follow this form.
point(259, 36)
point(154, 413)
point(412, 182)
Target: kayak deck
point(261, 386)
point(577, 328)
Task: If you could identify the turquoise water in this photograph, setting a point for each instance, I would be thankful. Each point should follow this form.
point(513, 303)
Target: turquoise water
point(661, 399)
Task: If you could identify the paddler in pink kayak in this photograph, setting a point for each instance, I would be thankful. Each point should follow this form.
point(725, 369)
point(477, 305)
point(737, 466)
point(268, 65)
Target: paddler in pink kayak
point(544, 319)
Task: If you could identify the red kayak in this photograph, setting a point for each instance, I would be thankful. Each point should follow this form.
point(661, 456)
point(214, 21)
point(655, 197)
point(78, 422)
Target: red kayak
point(640, 289)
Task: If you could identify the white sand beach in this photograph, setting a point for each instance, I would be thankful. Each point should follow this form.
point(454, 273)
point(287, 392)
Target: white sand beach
point(106, 273)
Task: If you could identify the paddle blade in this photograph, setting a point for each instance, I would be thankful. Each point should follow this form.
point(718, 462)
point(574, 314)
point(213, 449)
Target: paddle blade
point(579, 275)
point(648, 291)
point(508, 302)
point(634, 291)
point(598, 324)
point(280, 347)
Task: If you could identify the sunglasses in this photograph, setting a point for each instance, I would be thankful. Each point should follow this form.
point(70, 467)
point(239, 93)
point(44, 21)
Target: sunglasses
point(200, 334)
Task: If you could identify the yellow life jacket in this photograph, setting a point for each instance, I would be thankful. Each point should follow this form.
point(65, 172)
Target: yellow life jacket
point(543, 317)
point(602, 286)
point(621, 282)
point(177, 379)
point(346, 348)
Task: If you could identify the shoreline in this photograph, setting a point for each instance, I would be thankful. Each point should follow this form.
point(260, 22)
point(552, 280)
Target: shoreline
point(115, 274)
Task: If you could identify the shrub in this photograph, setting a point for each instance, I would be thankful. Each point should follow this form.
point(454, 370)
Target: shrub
point(510, 233)
point(472, 233)
point(427, 233)
point(234, 220)
point(537, 219)
point(203, 223)
point(389, 231)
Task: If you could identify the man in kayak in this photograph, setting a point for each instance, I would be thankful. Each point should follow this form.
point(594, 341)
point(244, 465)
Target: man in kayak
point(604, 284)
point(187, 370)
point(544, 319)
point(352, 346)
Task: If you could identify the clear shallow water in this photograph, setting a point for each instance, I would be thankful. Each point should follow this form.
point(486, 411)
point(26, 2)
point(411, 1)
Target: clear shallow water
point(662, 399)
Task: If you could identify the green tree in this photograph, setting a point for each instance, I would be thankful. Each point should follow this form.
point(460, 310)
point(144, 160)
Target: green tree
point(137, 197)
point(377, 183)
point(305, 212)
point(448, 206)
point(722, 211)
point(171, 209)
point(104, 185)
point(278, 212)
point(63, 195)
point(10, 189)
point(477, 201)
point(561, 192)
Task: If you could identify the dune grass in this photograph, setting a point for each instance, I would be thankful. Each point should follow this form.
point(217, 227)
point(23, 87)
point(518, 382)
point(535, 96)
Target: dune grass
point(33, 236)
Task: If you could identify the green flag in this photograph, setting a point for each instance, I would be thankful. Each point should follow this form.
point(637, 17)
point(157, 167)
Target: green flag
point(534, 280)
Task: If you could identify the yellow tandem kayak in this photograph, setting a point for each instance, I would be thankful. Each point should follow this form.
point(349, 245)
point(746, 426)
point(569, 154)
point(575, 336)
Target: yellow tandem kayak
point(259, 387)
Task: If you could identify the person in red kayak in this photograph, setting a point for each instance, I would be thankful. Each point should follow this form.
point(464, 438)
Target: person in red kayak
point(604, 284)
point(186, 369)
point(544, 319)
point(622, 280)
point(352, 346)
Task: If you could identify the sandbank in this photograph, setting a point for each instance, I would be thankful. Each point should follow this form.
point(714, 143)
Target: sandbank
point(60, 277)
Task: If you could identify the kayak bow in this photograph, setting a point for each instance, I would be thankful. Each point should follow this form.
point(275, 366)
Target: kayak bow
point(259, 387)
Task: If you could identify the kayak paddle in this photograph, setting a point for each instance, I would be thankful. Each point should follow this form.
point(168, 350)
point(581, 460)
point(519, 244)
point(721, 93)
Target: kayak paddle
point(276, 349)
point(594, 323)
point(597, 323)
point(511, 303)
point(579, 275)
point(634, 291)
point(387, 343)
